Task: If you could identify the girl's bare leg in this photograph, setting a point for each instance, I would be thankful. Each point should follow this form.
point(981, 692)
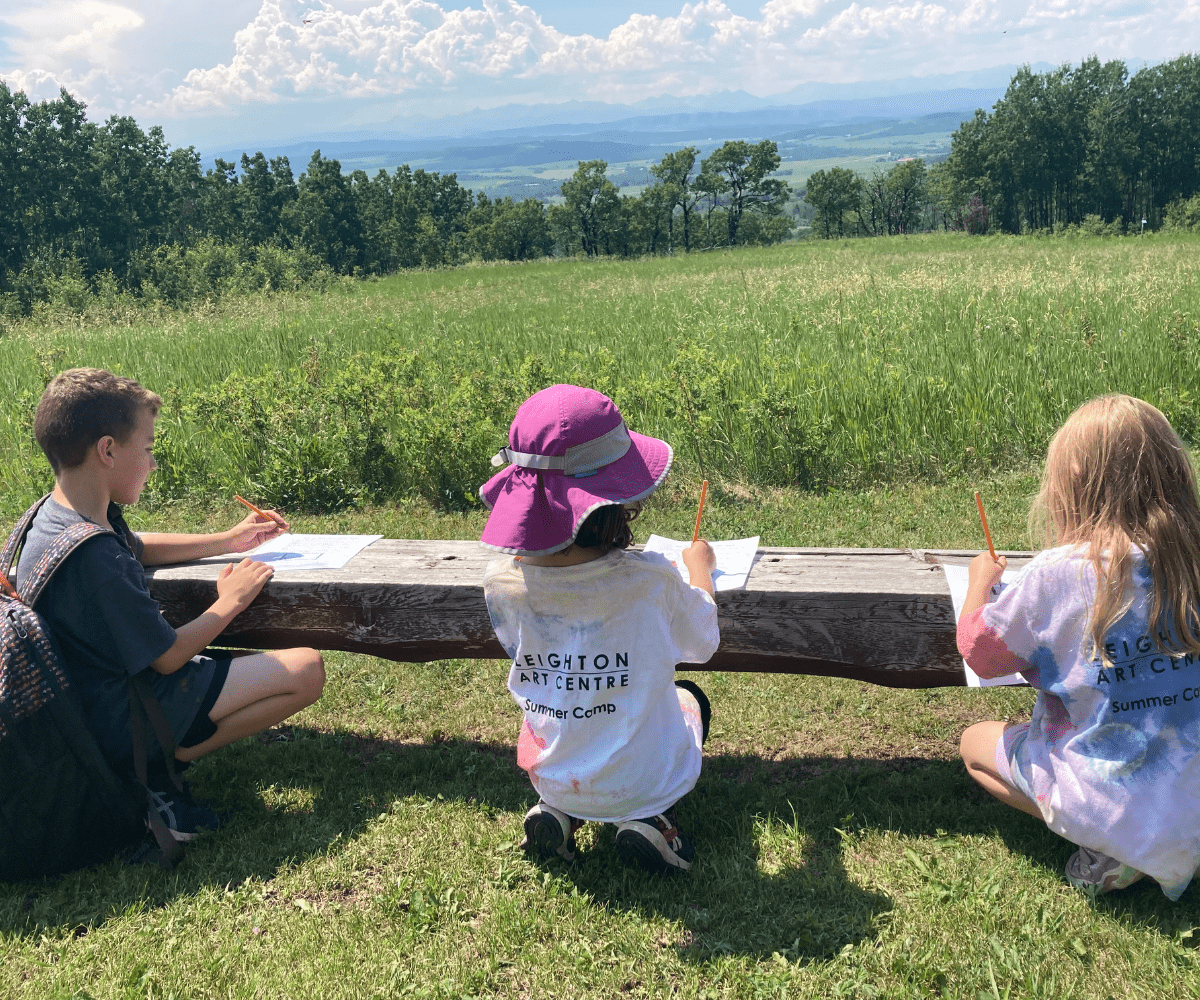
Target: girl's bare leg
point(978, 749)
point(260, 691)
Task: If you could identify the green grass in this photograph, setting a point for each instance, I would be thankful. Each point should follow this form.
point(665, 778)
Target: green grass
point(843, 852)
point(842, 364)
point(842, 849)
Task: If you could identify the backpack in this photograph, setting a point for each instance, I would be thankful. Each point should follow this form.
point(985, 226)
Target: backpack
point(61, 804)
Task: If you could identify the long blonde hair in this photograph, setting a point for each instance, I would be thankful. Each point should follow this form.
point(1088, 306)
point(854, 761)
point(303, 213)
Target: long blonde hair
point(1118, 475)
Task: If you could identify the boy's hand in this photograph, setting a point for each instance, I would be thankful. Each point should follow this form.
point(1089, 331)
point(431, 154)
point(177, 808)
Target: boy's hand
point(240, 583)
point(252, 531)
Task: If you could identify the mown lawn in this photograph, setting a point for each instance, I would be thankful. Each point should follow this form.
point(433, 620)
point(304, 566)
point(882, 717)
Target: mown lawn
point(842, 849)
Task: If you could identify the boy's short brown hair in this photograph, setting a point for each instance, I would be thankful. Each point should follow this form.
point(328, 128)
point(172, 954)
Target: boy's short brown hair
point(82, 405)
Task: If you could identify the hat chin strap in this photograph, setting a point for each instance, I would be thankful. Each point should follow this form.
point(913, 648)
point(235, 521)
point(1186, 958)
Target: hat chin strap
point(579, 460)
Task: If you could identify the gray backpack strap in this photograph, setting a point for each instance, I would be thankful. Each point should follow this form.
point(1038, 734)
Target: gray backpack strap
point(55, 555)
point(12, 548)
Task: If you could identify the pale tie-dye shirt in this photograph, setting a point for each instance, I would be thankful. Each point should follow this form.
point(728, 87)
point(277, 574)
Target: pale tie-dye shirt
point(1110, 757)
point(593, 650)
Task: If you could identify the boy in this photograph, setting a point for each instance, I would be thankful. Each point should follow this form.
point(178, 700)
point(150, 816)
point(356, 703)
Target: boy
point(97, 430)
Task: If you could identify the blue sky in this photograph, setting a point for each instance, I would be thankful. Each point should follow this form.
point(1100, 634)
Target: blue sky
point(292, 67)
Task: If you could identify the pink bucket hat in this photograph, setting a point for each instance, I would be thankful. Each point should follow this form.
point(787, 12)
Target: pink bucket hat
point(570, 453)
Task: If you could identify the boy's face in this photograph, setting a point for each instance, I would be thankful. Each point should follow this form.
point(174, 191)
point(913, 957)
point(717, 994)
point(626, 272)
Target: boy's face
point(133, 461)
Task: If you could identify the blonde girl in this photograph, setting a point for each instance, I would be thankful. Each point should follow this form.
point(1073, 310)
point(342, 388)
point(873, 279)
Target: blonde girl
point(1105, 624)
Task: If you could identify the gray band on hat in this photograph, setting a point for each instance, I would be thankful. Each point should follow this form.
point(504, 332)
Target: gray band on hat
point(579, 459)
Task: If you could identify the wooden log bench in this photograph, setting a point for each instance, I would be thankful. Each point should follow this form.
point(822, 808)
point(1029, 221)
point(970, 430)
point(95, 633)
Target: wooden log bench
point(878, 615)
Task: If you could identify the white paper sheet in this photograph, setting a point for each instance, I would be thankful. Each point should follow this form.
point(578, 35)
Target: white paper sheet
point(735, 557)
point(958, 578)
point(293, 553)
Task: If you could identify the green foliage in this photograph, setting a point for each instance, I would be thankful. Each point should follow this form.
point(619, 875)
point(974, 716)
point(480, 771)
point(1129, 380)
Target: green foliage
point(376, 428)
point(508, 230)
point(835, 194)
point(588, 220)
point(1073, 143)
point(739, 171)
point(1184, 215)
point(893, 200)
point(819, 365)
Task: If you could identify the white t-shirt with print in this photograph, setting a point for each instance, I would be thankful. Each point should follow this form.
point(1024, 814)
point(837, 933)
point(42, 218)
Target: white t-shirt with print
point(593, 650)
point(1112, 755)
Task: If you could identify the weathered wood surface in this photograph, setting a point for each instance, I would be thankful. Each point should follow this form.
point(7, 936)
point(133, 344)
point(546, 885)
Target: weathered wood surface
point(879, 615)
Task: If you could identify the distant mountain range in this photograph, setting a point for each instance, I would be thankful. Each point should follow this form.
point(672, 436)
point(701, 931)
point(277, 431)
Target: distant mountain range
point(637, 137)
point(395, 120)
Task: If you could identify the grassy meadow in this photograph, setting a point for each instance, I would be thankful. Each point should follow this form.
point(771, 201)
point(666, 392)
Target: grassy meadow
point(834, 394)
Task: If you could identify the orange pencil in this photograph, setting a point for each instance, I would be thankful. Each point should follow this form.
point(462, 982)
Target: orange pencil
point(700, 512)
point(261, 513)
point(983, 519)
point(8, 588)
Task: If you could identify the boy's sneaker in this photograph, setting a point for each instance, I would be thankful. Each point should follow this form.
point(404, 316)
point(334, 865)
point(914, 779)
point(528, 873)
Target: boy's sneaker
point(185, 818)
point(656, 843)
point(550, 831)
point(1098, 873)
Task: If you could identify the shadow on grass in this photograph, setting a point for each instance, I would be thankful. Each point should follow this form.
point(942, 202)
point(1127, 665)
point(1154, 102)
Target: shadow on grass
point(770, 873)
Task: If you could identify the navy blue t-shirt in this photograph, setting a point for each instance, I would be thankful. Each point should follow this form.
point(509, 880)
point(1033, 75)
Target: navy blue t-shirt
point(107, 626)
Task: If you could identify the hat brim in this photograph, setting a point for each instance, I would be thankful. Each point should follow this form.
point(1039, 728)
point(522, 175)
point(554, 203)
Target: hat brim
point(539, 513)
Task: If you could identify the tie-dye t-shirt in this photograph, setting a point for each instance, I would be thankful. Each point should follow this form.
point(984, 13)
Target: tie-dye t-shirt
point(593, 650)
point(1110, 757)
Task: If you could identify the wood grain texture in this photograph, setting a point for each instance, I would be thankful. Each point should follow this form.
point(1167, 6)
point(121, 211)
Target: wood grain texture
point(879, 615)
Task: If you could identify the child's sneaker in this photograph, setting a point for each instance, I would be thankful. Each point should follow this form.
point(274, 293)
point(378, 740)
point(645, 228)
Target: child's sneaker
point(550, 831)
point(656, 843)
point(185, 818)
point(1098, 873)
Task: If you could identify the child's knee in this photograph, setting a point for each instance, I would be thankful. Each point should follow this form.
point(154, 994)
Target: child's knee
point(312, 674)
point(977, 745)
point(306, 668)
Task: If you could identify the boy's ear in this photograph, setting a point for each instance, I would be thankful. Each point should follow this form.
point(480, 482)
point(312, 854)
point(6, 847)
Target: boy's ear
point(102, 449)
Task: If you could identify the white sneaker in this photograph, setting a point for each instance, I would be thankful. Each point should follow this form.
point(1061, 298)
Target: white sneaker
point(550, 831)
point(1098, 873)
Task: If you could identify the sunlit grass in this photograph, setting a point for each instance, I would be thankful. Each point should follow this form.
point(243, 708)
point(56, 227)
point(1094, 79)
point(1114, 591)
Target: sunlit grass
point(816, 363)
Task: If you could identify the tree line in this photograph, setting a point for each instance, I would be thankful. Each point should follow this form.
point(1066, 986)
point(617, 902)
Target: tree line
point(1090, 147)
point(111, 205)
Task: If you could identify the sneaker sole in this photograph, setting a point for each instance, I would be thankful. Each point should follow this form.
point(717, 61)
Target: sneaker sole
point(1107, 884)
point(179, 835)
point(546, 837)
point(647, 848)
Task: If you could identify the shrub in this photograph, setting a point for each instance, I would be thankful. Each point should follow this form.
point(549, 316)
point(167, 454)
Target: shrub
point(1184, 214)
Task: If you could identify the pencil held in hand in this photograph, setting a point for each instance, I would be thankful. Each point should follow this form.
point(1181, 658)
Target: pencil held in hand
point(263, 514)
point(700, 512)
point(983, 520)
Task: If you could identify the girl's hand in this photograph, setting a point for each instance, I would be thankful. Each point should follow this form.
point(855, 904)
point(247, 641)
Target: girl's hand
point(240, 583)
point(699, 557)
point(700, 560)
point(987, 570)
point(982, 575)
point(252, 531)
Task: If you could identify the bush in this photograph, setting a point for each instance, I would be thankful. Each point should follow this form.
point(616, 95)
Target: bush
point(1184, 215)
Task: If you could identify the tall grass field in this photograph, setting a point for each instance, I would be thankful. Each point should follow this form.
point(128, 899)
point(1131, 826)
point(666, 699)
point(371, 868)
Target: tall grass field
point(811, 364)
point(834, 394)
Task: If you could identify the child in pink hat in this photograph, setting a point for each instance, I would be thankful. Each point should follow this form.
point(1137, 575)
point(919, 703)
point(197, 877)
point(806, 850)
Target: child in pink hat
point(594, 631)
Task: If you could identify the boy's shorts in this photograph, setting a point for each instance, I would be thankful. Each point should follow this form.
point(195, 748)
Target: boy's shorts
point(202, 727)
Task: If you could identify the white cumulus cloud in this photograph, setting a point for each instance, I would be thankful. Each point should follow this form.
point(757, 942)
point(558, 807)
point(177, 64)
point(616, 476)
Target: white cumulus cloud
point(406, 47)
point(177, 58)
